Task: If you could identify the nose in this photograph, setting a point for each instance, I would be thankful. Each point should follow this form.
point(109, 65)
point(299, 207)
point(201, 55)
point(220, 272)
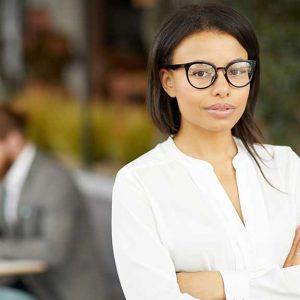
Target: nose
point(221, 85)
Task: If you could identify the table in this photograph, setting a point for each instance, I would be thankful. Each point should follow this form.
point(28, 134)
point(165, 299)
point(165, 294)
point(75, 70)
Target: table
point(21, 267)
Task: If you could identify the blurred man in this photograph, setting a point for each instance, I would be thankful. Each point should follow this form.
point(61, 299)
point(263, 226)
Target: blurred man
point(42, 217)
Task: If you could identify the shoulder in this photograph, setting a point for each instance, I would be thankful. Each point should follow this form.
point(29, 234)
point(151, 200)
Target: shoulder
point(47, 168)
point(279, 162)
point(150, 166)
point(50, 178)
point(151, 159)
point(277, 155)
point(47, 162)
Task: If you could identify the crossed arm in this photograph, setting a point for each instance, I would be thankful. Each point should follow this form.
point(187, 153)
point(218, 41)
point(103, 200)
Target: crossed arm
point(210, 286)
point(144, 262)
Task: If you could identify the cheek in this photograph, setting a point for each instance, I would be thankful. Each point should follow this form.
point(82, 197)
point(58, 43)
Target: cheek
point(188, 102)
point(182, 87)
point(243, 97)
point(246, 92)
point(186, 95)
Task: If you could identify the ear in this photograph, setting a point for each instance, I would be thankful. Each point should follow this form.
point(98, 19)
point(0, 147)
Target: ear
point(167, 82)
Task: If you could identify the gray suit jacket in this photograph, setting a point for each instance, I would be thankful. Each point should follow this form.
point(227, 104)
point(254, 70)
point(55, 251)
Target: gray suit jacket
point(53, 226)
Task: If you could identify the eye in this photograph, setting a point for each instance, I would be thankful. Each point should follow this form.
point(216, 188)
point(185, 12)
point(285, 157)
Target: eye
point(201, 71)
point(239, 69)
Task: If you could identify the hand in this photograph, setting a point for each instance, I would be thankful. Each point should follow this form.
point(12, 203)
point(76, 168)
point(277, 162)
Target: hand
point(202, 285)
point(293, 258)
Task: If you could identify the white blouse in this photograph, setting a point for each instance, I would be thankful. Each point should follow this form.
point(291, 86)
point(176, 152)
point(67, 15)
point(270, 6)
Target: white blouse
point(171, 214)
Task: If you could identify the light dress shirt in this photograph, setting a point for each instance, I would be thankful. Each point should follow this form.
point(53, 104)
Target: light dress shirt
point(14, 181)
point(171, 214)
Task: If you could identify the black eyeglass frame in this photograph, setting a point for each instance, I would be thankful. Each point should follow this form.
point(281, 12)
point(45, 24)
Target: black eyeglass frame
point(187, 66)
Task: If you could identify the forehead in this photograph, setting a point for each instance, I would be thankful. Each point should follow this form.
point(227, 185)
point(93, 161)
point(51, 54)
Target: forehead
point(213, 46)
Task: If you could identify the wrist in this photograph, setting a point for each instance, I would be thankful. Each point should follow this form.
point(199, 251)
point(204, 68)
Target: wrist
point(203, 285)
point(217, 284)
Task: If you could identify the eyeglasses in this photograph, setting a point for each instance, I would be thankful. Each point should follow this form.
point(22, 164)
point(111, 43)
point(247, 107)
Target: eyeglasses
point(202, 74)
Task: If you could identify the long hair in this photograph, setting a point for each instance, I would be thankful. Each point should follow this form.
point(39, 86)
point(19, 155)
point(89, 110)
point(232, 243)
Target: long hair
point(184, 22)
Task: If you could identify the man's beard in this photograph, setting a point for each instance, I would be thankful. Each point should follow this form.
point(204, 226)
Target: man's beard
point(4, 167)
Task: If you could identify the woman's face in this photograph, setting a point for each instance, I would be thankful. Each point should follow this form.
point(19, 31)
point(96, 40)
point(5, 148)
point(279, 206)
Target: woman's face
point(218, 107)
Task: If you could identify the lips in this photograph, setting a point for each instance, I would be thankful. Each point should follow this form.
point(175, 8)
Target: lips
point(220, 110)
point(220, 107)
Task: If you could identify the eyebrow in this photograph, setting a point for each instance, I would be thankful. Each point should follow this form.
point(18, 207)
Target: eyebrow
point(210, 62)
point(173, 66)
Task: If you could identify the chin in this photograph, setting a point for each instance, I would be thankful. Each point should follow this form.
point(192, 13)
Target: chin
point(224, 127)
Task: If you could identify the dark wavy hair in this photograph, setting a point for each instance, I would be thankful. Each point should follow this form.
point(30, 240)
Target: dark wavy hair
point(184, 22)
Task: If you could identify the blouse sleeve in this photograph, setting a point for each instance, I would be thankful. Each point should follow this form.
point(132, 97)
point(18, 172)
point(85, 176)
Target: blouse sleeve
point(297, 188)
point(144, 266)
point(276, 283)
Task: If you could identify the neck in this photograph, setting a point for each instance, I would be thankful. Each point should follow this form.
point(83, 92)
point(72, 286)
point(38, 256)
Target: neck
point(210, 146)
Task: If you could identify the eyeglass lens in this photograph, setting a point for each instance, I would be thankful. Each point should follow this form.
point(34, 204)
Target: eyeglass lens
point(202, 75)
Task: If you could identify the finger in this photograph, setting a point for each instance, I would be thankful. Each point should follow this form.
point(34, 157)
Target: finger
point(296, 241)
point(296, 260)
point(295, 248)
point(289, 261)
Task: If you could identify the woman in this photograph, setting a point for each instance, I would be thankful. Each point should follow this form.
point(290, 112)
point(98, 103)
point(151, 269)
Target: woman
point(210, 213)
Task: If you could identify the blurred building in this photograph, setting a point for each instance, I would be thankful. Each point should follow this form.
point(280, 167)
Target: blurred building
point(108, 58)
point(97, 50)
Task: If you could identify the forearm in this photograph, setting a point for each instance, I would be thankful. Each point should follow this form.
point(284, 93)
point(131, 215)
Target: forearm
point(277, 283)
point(202, 285)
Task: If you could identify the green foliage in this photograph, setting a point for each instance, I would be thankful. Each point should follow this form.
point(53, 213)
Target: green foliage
point(115, 133)
point(53, 125)
point(121, 133)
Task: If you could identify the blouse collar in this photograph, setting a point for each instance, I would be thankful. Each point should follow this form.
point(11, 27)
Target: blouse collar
point(238, 159)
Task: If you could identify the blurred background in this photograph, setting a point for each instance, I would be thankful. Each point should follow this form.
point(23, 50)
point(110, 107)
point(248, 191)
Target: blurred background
point(78, 68)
